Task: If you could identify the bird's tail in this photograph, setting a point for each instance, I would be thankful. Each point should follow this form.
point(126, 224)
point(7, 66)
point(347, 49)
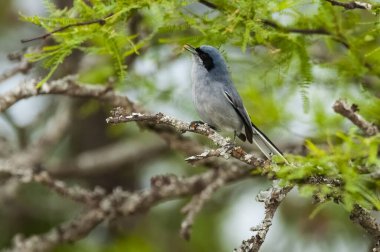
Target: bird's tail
point(265, 145)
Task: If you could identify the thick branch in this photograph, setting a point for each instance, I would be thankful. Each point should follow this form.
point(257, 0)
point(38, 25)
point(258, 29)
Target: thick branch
point(345, 110)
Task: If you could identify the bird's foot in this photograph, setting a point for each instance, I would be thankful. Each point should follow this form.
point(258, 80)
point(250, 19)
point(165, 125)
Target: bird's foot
point(230, 146)
point(195, 124)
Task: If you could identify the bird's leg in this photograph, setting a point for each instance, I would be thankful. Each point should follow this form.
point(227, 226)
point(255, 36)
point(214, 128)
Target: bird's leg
point(231, 144)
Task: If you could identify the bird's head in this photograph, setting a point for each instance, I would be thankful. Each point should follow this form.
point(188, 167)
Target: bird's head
point(208, 57)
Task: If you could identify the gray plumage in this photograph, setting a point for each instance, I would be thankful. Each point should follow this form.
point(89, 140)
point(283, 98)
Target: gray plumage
point(217, 101)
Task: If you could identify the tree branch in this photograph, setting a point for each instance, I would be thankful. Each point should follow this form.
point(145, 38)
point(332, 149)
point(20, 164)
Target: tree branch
point(351, 5)
point(122, 203)
point(65, 86)
point(272, 199)
point(368, 222)
point(237, 152)
point(345, 110)
point(319, 31)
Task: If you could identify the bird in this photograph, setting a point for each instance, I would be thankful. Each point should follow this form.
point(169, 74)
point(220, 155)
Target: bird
point(219, 104)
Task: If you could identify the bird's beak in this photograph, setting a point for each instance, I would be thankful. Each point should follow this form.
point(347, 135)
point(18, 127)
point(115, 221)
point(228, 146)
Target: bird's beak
point(190, 48)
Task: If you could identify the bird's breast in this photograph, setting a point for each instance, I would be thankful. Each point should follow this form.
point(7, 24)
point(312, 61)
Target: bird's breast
point(212, 106)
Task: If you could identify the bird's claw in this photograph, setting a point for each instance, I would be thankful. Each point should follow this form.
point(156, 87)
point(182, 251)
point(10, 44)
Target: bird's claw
point(194, 124)
point(230, 146)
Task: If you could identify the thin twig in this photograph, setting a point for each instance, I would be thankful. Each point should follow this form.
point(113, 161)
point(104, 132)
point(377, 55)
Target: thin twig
point(101, 21)
point(350, 112)
point(318, 31)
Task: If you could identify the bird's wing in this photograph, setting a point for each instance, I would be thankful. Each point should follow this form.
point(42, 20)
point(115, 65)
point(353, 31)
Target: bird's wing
point(253, 133)
point(237, 104)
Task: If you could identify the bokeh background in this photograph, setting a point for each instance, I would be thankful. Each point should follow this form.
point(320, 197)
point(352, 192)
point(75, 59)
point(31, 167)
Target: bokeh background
point(287, 107)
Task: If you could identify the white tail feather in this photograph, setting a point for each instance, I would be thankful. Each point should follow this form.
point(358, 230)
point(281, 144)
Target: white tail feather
point(266, 147)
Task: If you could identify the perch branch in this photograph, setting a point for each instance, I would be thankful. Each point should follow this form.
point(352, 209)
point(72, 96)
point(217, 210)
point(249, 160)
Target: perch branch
point(161, 119)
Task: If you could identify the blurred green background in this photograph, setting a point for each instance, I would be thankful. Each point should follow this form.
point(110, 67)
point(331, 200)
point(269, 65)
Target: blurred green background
point(288, 83)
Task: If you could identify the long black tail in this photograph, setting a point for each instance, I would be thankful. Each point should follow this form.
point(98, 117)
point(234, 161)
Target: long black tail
point(265, 144)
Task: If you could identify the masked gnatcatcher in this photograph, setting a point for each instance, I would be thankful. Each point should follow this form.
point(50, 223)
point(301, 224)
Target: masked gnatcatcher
point(217, 101)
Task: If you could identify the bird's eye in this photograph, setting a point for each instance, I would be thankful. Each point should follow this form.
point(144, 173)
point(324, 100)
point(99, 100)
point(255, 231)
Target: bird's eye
point(206, 59)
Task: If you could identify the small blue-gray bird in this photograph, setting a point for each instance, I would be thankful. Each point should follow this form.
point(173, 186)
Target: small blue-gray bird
point(217, 101)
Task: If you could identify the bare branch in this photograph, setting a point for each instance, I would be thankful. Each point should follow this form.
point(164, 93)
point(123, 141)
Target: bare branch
point(76, 193)
point(66, 86)
point(26, 165)
point(122, 203)
point(351, 5)
point(67, 232)
point(345, 110)
point(272, 199)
